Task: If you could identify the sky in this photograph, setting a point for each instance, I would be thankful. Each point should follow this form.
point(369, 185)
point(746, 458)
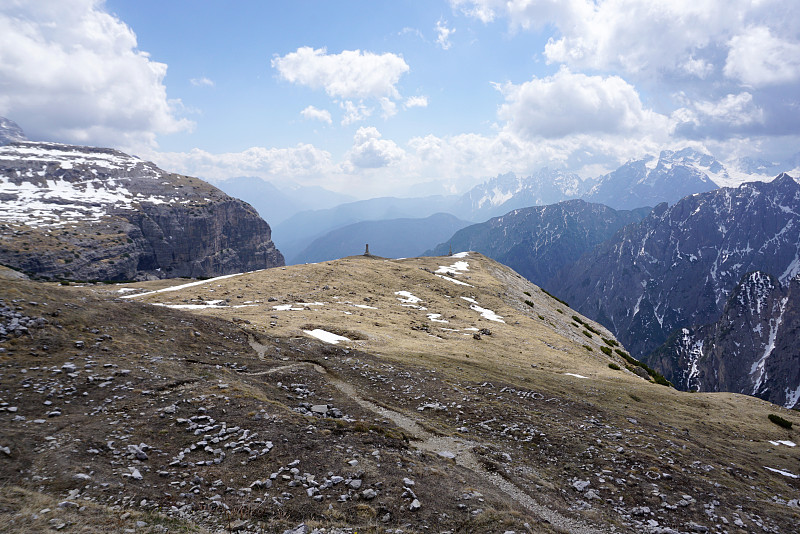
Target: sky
point(403, 97)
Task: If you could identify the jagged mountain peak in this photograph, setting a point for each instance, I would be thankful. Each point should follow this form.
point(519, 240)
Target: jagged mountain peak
point(679, 265)
point(10, 132)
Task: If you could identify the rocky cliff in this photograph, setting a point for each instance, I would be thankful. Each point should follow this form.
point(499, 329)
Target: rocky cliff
point(88, 213)
point(678, 267)
point(752, 349)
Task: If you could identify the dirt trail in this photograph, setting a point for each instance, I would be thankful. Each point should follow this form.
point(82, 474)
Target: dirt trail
point(458, 449)
point(461, 451)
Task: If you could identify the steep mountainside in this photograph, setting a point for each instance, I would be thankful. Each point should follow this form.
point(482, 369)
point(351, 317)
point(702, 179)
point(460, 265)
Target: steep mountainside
point(97, 214)
point(539, 241)
point(651, 181)
point(752, 349)
point(296, 233)
point(391, 238)
point(507, 192)
point(366, 395)
point(678, 267)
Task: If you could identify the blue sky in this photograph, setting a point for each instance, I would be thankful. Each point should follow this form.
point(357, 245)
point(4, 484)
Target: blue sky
point(377, 97)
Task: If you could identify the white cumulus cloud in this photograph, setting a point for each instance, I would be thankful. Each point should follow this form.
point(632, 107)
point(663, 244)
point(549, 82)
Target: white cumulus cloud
point(351, 74)
point(653, 38)
point(572, 103)
point(732, 114)
point(202, 82)
point(354, 112)
point(443, 34)
point(302, 160)
point(313, 113)
point(416, 102)
point(758, 58)
point(72, 72)
point(370, 151)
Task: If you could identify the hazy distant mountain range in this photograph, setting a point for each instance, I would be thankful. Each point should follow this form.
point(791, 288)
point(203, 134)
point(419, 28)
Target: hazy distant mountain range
point(297, 232)
point(299, 217)
point(280, 204)
point(390, 238)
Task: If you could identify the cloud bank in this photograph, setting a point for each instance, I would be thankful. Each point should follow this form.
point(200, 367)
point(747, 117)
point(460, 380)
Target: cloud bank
point(71, 71)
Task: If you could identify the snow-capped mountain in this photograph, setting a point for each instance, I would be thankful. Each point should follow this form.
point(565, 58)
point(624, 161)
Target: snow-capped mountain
point(650, 181)
point(678, 267)
point(94, 213)
point(751, 349)
point(644, 182)
point(507, 192)
point(10, 132)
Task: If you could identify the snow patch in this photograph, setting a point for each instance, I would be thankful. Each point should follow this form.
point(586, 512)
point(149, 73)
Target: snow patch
point(453, 269)
point(576, 375)
point(459, 282)
point(436, 318)
point(327, 337)
point(407, 297)
point(792, 397)
point(760, 365)
point(782, 472)
point(784, 442)
point(485, 313)
point(286, 307)
point(182, 286)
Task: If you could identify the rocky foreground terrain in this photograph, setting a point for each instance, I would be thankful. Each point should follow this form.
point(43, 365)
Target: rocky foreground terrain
point(85, 213)
point(362, 395)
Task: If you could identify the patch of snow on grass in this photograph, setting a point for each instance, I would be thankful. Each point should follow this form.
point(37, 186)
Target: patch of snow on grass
point(286, 307)
point(782, 472)
point(784, 442)
point(453, 269)
point(460, 255)
point(324, 335)
point(576, 375)
point(363, 306)
point(436, 318)
point(182, 286)
point(407, 297)
point(485, 313)
point(459, 282)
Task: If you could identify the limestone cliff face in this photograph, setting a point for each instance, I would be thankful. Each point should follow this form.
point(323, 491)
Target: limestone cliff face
point(98, 214)
point(752, 349)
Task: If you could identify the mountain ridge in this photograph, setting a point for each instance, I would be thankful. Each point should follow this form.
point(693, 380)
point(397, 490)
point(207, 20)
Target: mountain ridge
point(539, 241)
point(91, 213)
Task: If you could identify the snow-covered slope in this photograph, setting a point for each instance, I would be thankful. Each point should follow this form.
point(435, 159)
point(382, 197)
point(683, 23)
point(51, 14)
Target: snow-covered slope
point(51, 185)
point(94, 213)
